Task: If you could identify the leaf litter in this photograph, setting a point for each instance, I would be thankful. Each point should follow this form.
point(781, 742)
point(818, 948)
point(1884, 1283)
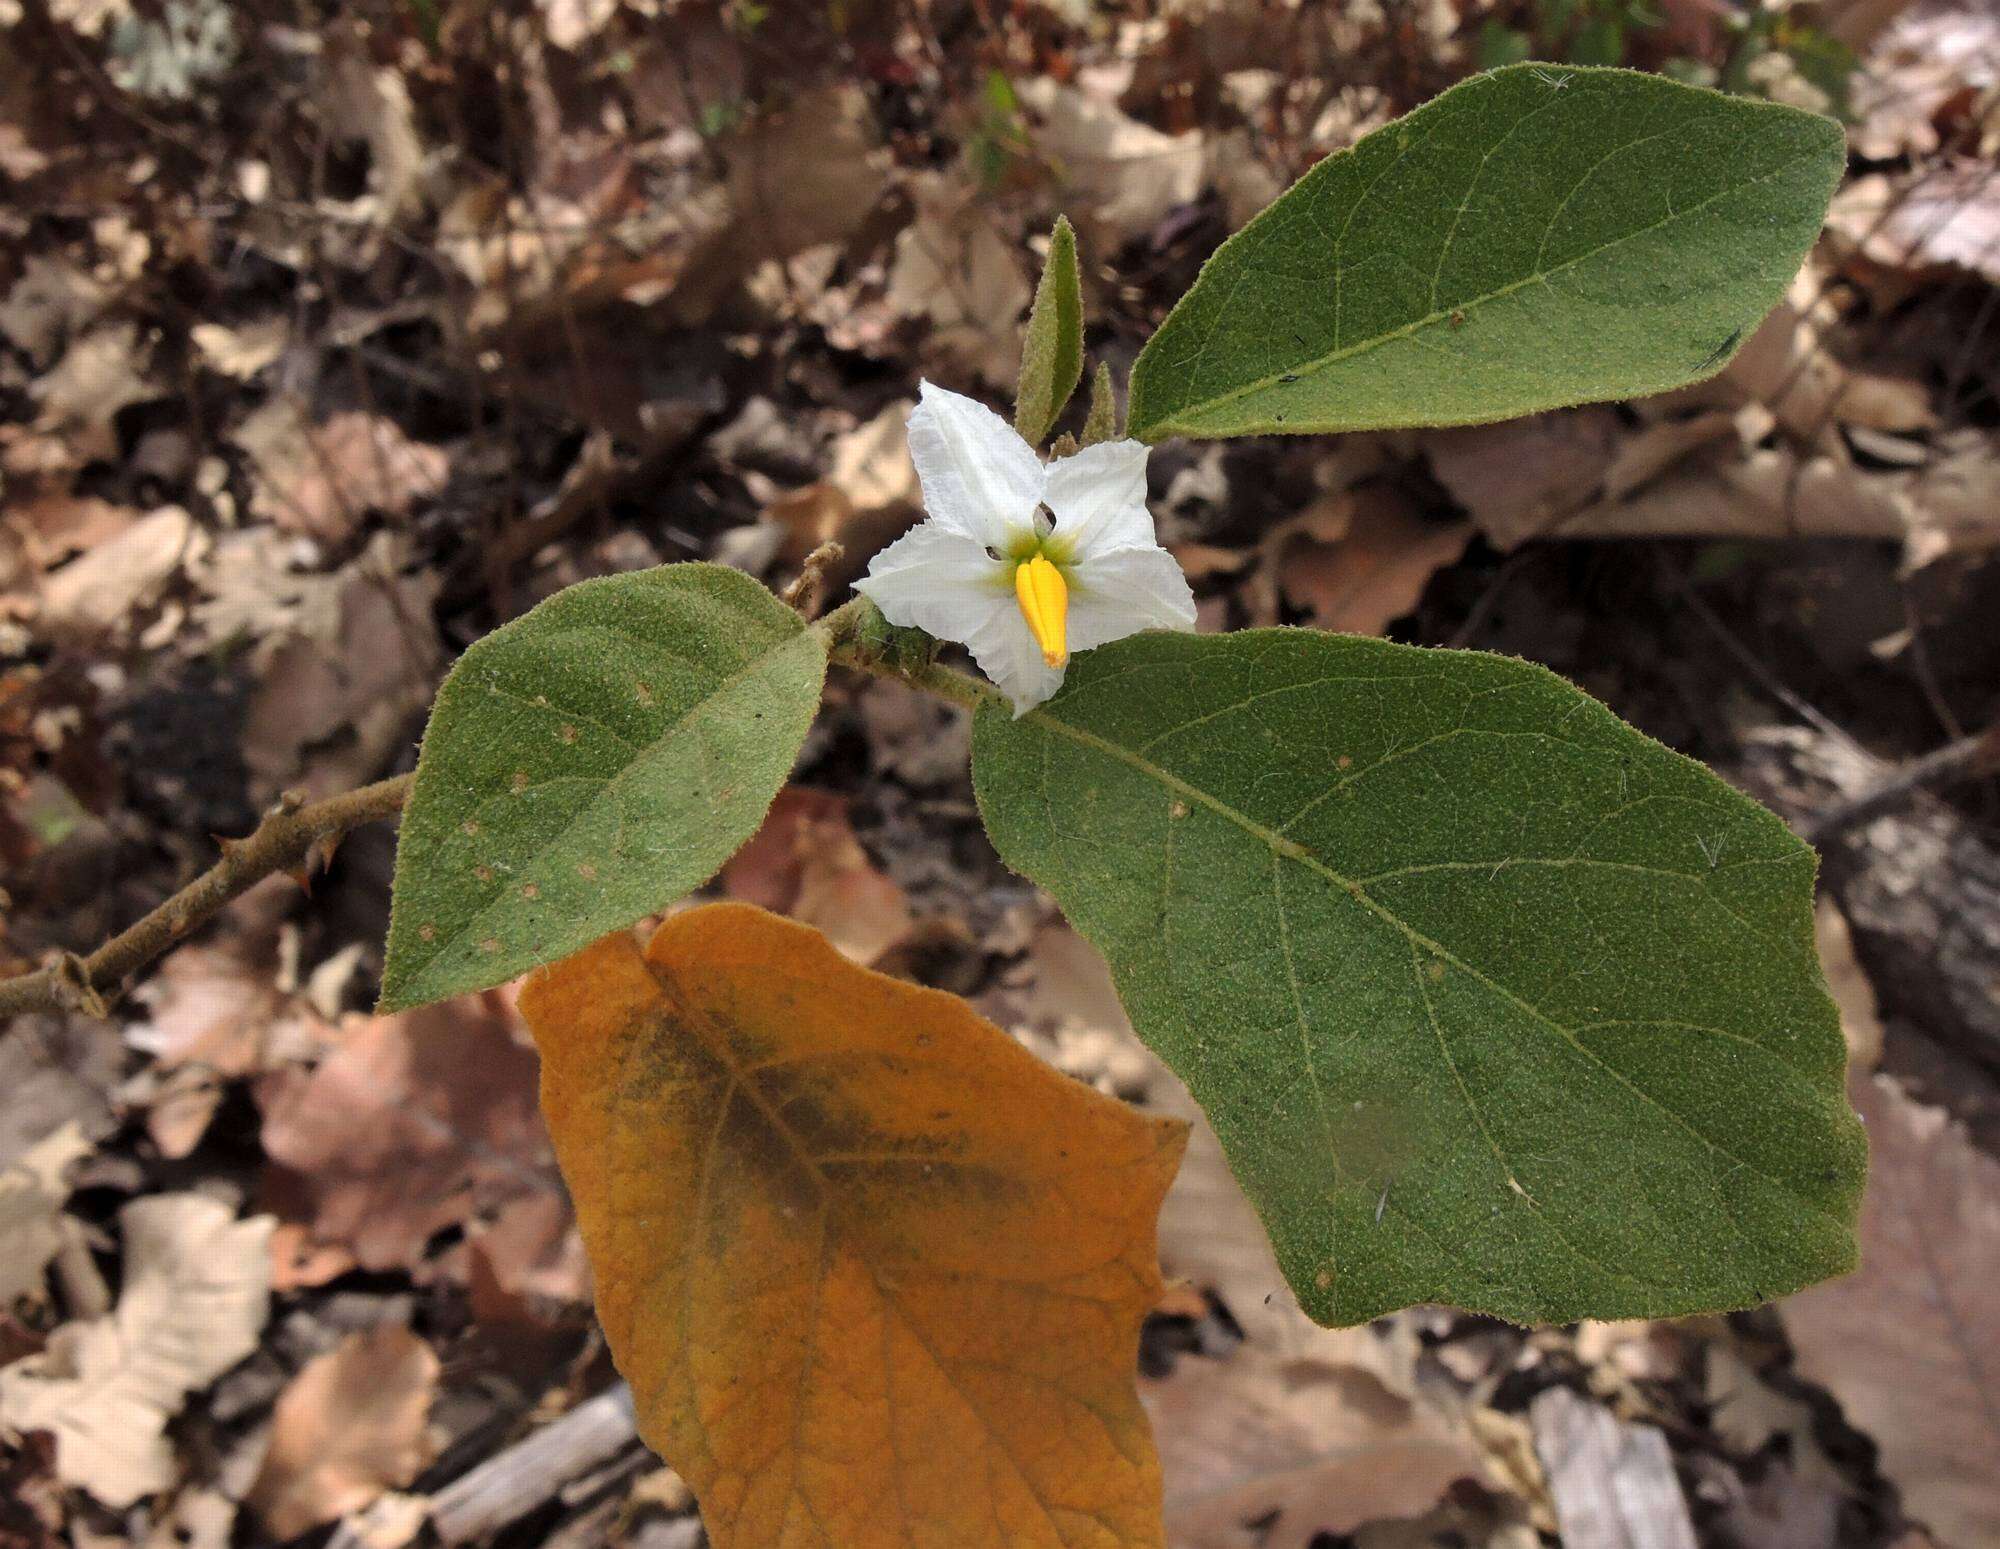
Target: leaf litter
point(284, 431)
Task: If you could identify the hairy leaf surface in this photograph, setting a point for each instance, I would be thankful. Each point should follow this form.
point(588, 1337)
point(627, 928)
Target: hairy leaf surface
point(1491, 999)
point(874, 1272)
point(1534, 237)
point(588, 764)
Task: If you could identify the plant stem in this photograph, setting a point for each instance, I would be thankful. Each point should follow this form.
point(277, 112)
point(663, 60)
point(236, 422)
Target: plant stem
point(846, 634)
point(290, 835)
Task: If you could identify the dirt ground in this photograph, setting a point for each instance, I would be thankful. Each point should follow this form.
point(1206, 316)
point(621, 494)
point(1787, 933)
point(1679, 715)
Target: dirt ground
point(332, 337)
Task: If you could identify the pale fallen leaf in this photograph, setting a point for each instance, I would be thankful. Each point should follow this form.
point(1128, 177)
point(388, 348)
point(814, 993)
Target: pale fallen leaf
point(32, 1192)
point(371, 104)
point(52, 300)
point(321, 480)
point(99, 374)
point(1747, 1413)
point(1258, 1452)
point(1910, 1344)
point(242, 352)
point(196, 1294)
point(1923, 59)
point(570, 22)
point(1614, 1484)
point(350, 1425)
point(216, 1006)
point(955, 269)
point(1116, 175)
point(1860, 1015)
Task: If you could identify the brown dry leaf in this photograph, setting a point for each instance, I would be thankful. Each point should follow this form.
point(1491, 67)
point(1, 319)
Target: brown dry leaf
point(337, 696)
point(1265, 1453)
point(55, 526)
point(414, 1123)
point(217, 1006)
point(352, 1424)
point(196, 1294)
point(32, 1193)
point(321, 480)
point(99, 591)
point(1376, 571)
point(797, 178)
point(806, 862)
point(1520, 480)
point(956, 269)
point(1910, 1344)
point(875, 1272)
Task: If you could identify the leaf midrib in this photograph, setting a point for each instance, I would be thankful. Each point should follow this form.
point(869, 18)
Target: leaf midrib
point(1174, 424)
point(1293, 850)
point(835, 1225)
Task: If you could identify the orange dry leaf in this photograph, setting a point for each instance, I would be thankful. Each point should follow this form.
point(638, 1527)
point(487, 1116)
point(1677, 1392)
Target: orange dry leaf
point(874, 1272)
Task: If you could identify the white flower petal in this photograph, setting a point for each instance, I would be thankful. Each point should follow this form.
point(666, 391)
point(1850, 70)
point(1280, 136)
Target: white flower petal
point(936, 580)
point(1007, 652)
point(980, 479)
point(1115, 594)
point(1098, 496)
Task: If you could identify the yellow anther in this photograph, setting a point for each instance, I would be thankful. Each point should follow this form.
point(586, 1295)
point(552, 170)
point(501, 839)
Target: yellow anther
point(1044, 599)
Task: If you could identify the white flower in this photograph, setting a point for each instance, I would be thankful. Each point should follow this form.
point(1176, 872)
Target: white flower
point(1021, 561)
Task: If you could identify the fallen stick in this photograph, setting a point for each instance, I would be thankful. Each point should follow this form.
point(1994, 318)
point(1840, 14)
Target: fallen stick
point(510, 1484)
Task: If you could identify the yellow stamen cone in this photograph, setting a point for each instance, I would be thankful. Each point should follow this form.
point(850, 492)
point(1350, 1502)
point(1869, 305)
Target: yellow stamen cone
point(1044, 599)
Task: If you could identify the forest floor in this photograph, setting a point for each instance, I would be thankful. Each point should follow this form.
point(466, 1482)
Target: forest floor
point(332, 338)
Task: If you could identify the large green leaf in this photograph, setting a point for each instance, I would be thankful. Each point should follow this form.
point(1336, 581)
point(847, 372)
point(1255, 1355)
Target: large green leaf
point(589, 763)
point(1537, 236)
point(1492, 999)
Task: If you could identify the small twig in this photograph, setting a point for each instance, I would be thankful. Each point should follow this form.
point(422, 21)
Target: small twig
point(1772, 684)
point(1967, 758)
point(285, 840)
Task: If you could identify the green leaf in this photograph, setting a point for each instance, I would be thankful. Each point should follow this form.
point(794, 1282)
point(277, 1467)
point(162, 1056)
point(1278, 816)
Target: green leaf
point(1535, 237)
point(1101, 424)
point(1052, 354)
point(588, 764)
point(1492, 1000)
